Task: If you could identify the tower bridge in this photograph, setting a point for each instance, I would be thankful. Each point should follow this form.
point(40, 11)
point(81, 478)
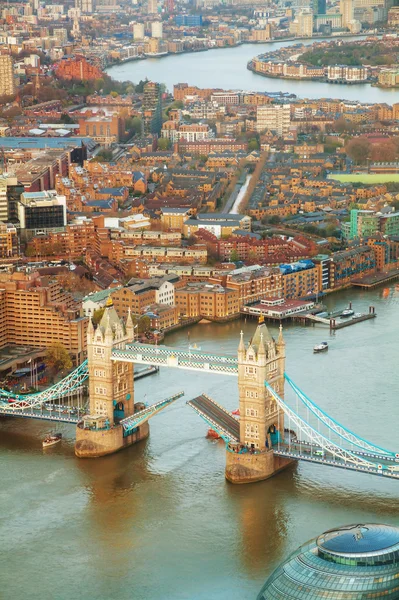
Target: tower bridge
point(278, 422)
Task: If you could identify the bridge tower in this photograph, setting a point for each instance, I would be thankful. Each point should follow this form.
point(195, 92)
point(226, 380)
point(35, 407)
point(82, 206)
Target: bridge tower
point(111, 389)
point(261, 421)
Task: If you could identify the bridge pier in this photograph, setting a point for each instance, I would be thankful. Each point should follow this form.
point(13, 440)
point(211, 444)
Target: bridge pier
point(249, 468)
point(95, 443)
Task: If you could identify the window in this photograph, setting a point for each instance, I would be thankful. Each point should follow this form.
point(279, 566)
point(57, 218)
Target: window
point(251, 394)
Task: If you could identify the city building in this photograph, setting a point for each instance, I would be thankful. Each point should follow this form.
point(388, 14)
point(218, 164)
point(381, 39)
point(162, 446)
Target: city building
point(300, 280)
point(7, 87)
point(152, 108)
point(152, 7)
point(347, 264)
point(219, 224)
point(252, 283)
point(138, 31)
point(209, 301)
point(189, 20)
point(36, 312)
point(346, 8)
point(39, 212)
point(345, 73)
point(350, 562)
point(192, 132)
point(364, 223)
point(138, 294)
point(156, 29)
point(305, 23)
point(275, 118)
point(77, 68)
point(388, 77)
point(319, 7)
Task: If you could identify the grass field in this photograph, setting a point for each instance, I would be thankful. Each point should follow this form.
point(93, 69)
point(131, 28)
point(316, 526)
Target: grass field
point(367, 178)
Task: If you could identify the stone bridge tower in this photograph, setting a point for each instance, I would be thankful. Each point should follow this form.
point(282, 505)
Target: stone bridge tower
point(261, 420)
point(111, 388)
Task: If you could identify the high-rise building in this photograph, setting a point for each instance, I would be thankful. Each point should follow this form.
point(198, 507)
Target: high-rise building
point(156, 29)
point(138, 31)
point(7, 86)
point(152, 108)
point(318, 7)
point(85, 6)
point(305, 23)
point(170, 6)
point(346, 9)
point(152, 7)
point(274, 117)
point(61, 34)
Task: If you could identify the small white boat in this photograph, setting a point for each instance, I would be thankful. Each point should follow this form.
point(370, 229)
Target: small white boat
point(348, 312)
point(52, 440)
point(323, 347)
point(194, 347)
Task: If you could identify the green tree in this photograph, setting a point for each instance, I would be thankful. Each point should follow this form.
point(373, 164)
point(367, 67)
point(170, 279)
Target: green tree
point(253, 144)
point(57, 357)
point(163, 144)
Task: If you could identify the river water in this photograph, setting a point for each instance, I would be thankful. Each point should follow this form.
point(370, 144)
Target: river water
point(158, 520)
point(227, 68)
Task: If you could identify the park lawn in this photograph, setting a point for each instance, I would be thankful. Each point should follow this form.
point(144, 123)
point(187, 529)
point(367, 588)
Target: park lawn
point(366, 178)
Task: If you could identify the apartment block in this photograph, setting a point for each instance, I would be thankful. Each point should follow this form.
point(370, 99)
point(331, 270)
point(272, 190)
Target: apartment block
point(209, 301)
point(275, 118)
point(37, 312)
point(7, 86)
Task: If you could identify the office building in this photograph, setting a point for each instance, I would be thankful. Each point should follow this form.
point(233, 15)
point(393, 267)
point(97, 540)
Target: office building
point(352, 562)
point(318, 7)
point(39, 212)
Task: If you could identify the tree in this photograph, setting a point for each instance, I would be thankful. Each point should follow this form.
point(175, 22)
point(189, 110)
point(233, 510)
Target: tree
point(385, 152)
point(57, 357)
point(253, 144)
point(163, 144)
point(104, 155)
point(358, 149)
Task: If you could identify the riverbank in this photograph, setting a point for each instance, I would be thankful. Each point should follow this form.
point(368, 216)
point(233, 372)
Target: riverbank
point(227, 69)
point(251, 67)
point(246, 43)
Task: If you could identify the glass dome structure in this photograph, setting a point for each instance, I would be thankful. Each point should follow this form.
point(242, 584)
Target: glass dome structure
point(355, 562)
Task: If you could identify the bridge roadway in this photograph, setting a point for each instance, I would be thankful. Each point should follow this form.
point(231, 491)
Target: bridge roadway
point(192, 360)
point(217, 417)
point(299, 450)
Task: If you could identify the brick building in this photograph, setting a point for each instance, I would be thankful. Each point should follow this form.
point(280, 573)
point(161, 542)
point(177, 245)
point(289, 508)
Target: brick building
point(77, 68)
point(213, 302)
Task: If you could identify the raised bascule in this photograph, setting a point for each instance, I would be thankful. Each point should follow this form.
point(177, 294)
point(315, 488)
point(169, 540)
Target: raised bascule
point(278, 423)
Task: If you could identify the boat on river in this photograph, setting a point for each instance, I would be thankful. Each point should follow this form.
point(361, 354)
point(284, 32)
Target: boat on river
point(348, 312)
point(52, 440)
point(323, 347)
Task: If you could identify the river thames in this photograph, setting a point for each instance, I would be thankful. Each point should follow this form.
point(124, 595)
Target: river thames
point(158, 520)
point(227, 68)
